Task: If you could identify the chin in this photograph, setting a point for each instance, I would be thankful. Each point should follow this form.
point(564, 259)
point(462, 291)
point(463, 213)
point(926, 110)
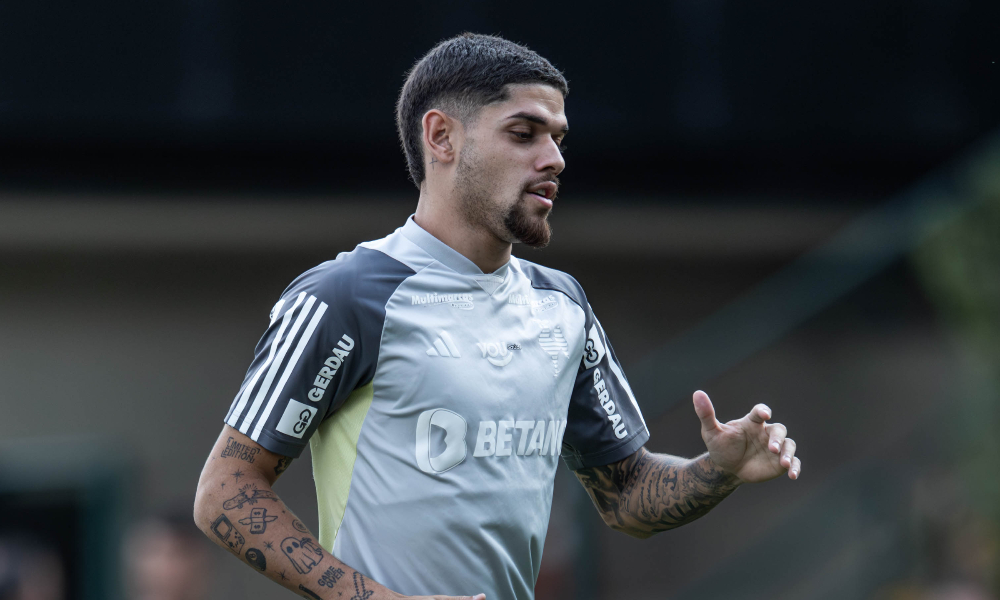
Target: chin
point(534, 233)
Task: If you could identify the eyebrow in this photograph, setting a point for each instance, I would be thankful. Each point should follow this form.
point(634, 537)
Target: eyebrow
point(535, 119)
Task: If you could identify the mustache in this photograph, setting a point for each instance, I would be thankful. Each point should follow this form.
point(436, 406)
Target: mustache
point(549, 178)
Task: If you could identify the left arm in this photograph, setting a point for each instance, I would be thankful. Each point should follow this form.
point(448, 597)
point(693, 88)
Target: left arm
point(646, 493)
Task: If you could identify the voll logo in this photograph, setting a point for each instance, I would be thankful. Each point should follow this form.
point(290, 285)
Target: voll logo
point(455, 429)
point(498, 353)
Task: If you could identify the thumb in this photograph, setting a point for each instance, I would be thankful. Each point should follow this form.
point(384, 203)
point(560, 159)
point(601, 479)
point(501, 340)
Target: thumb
point(705, 411)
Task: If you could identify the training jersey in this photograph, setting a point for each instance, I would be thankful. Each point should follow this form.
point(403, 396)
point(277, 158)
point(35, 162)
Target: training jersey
point(437, 400)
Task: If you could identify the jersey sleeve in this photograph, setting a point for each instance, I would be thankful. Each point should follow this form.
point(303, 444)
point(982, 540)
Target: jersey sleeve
point(322, 343)
point(605, 424)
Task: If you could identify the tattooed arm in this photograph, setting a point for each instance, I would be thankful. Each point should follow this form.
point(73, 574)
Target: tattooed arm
point(647, 493)
point(237, 509)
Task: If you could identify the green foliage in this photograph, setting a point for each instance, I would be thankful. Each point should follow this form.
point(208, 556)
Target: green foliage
point(959, 265)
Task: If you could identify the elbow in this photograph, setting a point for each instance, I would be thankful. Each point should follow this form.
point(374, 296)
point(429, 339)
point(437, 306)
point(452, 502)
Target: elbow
point(202, 513)
point(619, 522)
point(635, 532)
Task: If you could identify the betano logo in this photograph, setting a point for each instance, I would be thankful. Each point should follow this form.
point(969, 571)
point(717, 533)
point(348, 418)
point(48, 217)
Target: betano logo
point(494, 438)
point(454, 452)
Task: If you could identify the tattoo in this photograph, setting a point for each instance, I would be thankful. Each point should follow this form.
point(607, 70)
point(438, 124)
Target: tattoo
point(249, 494)
point(226, 531)
point(283, 576)
point(433, 160)
point(648, 493)
point(309, 592)
point(360, 593)
point(302, 552)
point(283, 463)
point(297, 524)
point(330, 577)
point(269, 546)
point(223, 485)
point(255, 558)
point(258, 520)
point(237, 475)
point(241, 451)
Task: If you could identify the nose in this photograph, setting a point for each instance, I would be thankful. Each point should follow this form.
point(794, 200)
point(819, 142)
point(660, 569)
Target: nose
point(551, 158)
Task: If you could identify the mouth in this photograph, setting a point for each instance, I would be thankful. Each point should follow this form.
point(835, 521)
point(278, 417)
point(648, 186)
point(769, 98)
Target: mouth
point(545, 192)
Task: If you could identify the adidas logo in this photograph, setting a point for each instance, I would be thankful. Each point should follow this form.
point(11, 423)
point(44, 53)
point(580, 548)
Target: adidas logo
point(444, 346)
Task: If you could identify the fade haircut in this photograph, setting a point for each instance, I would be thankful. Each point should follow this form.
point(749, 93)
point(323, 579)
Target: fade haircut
point(460, 76)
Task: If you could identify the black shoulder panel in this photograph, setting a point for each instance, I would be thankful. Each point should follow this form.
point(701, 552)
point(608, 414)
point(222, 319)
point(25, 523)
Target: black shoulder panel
point(544, 278)
point(322, 344)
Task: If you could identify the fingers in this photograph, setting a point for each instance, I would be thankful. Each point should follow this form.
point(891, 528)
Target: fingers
point(776, 436)
point(705, 411)
point(760, 413)
point(785, 447)
point(787, 453)
point(793, 473)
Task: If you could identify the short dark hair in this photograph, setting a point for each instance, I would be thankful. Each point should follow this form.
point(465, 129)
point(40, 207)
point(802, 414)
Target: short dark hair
point(460, 76)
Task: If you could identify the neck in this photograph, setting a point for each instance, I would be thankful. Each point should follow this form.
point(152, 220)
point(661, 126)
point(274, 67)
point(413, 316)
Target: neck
point(448, 224)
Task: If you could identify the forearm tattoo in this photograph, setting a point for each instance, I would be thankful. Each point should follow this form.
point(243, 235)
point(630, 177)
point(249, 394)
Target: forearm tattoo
point(647, 493)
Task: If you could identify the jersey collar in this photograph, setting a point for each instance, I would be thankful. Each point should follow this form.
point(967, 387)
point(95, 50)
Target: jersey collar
point(445, 254)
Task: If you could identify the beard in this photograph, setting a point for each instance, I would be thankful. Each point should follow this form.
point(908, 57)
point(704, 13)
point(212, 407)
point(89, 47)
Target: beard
point(481, 190)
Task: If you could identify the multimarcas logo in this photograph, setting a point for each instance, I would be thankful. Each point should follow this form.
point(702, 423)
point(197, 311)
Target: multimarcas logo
point(498, 439)
point(461, 301)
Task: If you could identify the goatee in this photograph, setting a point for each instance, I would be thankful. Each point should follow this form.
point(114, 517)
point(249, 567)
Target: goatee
point(531, 230)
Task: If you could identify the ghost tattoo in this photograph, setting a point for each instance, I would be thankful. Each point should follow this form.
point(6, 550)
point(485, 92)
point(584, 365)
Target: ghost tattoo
point(302, 552)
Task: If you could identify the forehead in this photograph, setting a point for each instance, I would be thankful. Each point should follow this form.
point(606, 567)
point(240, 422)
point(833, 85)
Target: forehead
point(537, 99)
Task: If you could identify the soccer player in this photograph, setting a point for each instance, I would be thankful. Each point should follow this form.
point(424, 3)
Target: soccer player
point(439, 379)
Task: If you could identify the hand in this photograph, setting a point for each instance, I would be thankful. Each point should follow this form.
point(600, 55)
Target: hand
point(749, 448)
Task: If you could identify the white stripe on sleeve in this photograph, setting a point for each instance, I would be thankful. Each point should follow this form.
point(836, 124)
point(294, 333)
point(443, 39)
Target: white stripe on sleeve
point(277, 309)
point(269, 379)
point(303, 341)
point(234, 418)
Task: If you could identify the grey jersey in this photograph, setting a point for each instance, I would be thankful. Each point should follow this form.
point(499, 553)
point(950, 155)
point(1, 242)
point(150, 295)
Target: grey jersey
point(437, 400)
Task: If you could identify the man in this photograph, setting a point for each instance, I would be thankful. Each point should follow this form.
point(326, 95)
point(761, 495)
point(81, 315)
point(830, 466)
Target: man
point(438, 378)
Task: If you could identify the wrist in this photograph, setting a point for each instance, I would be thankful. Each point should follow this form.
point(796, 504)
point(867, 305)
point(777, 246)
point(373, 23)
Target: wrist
point(712, 470)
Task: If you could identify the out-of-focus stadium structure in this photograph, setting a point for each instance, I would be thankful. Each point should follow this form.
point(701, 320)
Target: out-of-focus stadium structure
point(790, 205)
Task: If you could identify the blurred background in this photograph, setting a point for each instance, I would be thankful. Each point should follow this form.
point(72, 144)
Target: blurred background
point(790, 204)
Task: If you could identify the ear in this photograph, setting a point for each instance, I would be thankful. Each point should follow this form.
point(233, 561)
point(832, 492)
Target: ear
point(441, 133)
